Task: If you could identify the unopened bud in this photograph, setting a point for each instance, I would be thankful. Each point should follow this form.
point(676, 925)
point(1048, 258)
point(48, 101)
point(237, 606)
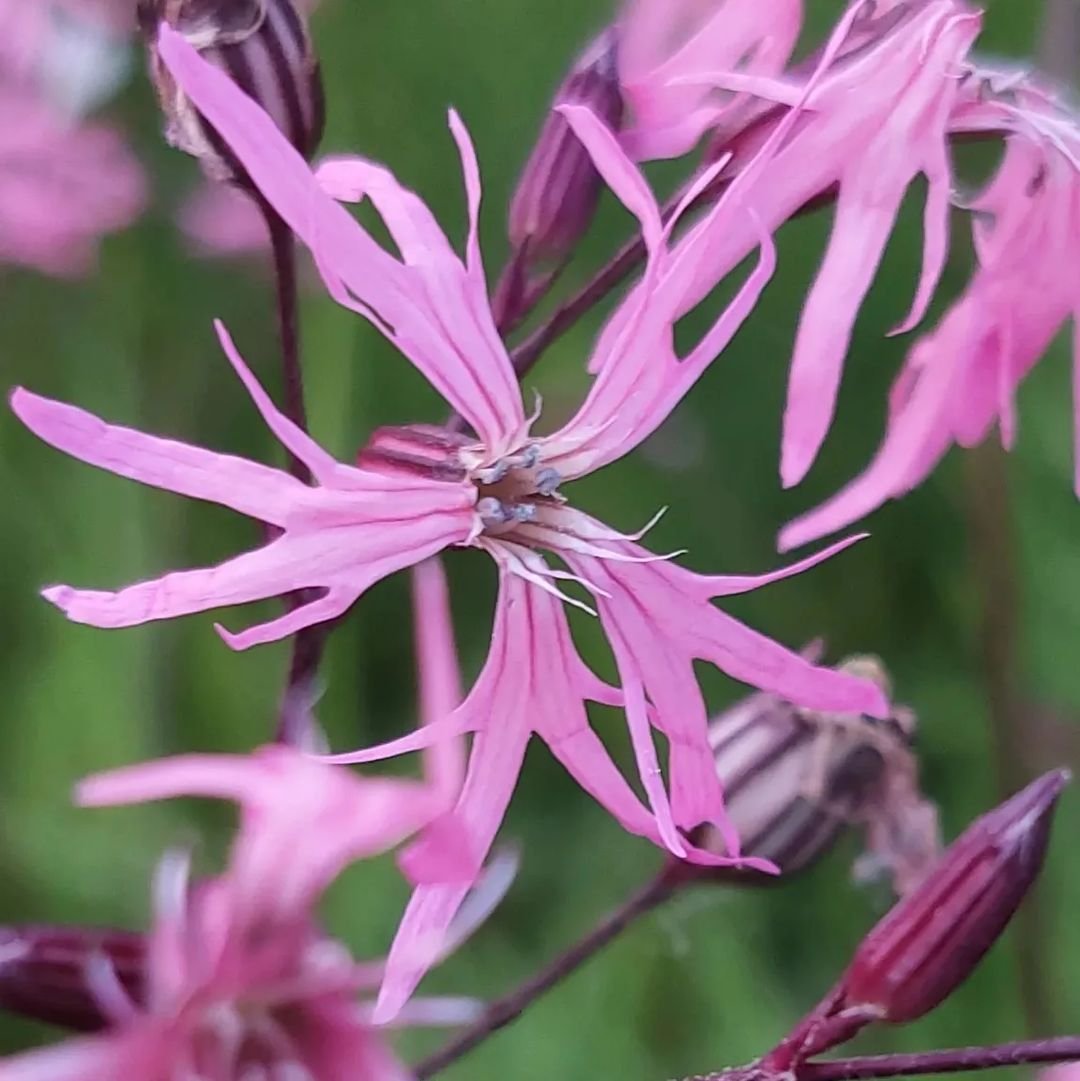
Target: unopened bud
point(557, 192)
point(264, 46)
point(795, 780)
point(930, 942)
point(46, 973)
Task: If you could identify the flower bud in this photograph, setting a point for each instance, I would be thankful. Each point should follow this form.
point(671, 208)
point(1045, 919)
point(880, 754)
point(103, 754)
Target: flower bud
point(264, 46)
point(46, 973)
point(557, 192)
point(795, 780)
point(930, 942)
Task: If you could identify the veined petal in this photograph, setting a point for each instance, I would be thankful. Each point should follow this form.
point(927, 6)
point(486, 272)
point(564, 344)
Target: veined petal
point(431, 306)
point(660, 619)
point(438, 673)
point(345, 560)
point(494, 764)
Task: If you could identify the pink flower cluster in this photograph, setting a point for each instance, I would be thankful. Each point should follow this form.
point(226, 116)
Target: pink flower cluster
point(241, 980)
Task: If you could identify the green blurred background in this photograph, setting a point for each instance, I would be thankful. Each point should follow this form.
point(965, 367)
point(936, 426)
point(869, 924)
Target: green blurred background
point(719, 974)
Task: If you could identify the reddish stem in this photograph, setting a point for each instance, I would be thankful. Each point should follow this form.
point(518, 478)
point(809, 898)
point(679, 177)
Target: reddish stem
point(953, 1060)
point(502, 1011)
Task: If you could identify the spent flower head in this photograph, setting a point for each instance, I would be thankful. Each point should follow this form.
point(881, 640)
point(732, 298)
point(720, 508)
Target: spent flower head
point(796, 779)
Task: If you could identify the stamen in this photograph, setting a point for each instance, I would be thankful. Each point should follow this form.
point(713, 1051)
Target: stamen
point(493, 473)
point(548, 481)
point(492, 511)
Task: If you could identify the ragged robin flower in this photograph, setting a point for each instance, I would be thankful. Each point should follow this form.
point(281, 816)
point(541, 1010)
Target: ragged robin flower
point(417, 490)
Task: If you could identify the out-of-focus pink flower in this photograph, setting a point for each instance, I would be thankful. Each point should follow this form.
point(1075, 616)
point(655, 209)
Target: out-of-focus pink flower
point(63, 184)
point(419, 490)
point(240, 980)
point(62, 187)
point(221, 221)
point(666, 46)
point(961, 378)
point(1067, 1071)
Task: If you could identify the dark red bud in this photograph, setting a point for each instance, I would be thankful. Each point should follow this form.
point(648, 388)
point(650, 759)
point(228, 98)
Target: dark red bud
point(931, 941)
point(43, 972)
point(557, 192)
point(264, 45)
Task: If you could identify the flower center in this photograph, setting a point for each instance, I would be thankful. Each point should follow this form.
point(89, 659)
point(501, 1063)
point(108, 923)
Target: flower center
point(509, 492)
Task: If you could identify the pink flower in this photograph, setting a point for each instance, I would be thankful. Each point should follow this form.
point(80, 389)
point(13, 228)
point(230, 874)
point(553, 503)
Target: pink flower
point(876, 119)
point(961, 378)
point(62, 187)
point(240, 980)
point(221, 221)
point(417, 491)
point(665, 46)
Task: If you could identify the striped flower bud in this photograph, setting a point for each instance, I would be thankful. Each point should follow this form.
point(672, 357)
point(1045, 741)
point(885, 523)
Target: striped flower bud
point(557, 192)
point(49, 973)
point(264, 46)
point(931, 941)
point(796, 779)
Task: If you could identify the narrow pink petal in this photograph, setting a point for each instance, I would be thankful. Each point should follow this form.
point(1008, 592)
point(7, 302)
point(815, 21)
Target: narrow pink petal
point(865, 213)
point(728, 585)
point(430, 306)
point(423, 738)
point(347, 560)
point(637, 722)
point(438, 672)
point(470, 169)
point(247, 487)
point(215, 776)
point(891, 473)
point(322, 465)
point(935, 238)
point(335, 603)
point(494, 764)
point(619, 172)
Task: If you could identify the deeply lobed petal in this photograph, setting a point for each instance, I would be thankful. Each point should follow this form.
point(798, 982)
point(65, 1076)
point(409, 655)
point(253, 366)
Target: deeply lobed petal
point(961, 378)
point(659, 619)
point(429, 304)
point(533, 680)
point(878, 153)
point(343, 535)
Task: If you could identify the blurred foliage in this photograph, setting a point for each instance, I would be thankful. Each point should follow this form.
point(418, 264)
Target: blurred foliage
point(720, 974)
